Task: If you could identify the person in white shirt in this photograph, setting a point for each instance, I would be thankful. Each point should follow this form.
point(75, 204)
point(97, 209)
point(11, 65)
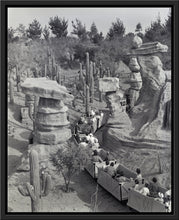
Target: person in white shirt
point(139, 175)
point(136, 187)
point(145, 190)
point(160, 197)
point(92, 113)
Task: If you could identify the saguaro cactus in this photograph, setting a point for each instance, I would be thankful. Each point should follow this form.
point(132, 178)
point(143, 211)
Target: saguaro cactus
point(58, 75)
point(87, 69)
point(17, 79)
point(91, 82)
point(87, 100)
point(34, 188)
point(45, 74)
point(11, 91)
point(108, 72)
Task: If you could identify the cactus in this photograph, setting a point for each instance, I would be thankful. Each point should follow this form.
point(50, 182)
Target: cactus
point(17, 79)
point(37, 187)
point(87, 100)
point(58, 75)
point(100, 70)
point(91, 82)
point(87, 69)
point(32, 112)
point(11, 91)
point(45, 74)
point(108, 71)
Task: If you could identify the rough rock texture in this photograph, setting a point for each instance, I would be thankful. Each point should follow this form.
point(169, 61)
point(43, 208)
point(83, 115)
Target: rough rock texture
point(43, 87)
point(133, 64)
point(147, 143)
point(51, 122)
point(122, 71)
point(151, 116)
point(149, 49)
point(137, 42)
point(53, 137)
point(108, 84)
point(51, 116)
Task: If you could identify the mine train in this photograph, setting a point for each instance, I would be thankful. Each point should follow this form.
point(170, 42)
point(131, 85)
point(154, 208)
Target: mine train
point(124, 192)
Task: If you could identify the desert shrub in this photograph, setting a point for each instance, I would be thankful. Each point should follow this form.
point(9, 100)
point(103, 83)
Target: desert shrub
point(68, 161)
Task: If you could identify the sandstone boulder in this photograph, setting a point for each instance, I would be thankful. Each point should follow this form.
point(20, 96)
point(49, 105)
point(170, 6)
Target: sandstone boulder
point(53, 137)
point(137, 42)
point(43, 87)
point(149, 49)
point(108, 84)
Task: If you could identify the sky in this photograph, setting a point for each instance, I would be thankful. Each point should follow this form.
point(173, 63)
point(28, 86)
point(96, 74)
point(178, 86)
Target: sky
point(103, 17)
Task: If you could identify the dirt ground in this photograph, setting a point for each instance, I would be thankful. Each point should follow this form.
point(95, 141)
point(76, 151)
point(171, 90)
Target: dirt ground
point(82, 186)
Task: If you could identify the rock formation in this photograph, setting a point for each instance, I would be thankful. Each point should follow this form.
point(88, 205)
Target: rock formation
point(135, 82)
point(149, 124)
point(51, 125)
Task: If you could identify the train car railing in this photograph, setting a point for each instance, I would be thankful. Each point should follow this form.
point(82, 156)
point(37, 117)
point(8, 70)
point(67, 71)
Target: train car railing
point(118, 190)
point(142, 203)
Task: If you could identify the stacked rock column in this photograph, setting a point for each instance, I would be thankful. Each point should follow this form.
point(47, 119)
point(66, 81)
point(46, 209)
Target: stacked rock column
point(52, 126)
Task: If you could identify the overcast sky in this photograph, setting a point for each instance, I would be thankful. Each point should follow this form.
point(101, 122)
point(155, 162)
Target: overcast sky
point(103, 17)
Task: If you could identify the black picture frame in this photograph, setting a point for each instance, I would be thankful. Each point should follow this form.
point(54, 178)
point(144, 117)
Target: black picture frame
point(175, 82)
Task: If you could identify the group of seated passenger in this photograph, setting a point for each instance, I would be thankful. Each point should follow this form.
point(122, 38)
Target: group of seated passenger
point(93, 121)
point(152, 189)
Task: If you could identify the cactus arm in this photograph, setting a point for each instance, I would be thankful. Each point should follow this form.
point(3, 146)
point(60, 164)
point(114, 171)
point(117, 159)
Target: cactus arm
point(23, 190)
point(30, 191)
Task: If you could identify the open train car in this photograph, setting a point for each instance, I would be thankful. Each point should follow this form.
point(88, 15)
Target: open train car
point(92, 167)
point(118, 190)
point(142, 203)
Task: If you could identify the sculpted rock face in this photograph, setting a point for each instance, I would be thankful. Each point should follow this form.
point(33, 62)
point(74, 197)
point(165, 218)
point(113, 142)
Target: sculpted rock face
point(108, 84)
point(43, 87)
point(133, 64)
point(150, 48)
point(137, 42)
point(151, 112)
point(51, 124)
point(152, 72)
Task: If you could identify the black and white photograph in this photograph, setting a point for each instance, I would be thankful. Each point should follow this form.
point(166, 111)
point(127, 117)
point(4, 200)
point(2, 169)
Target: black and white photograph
point(89, 110)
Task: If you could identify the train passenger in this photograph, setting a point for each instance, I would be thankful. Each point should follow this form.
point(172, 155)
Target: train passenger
point(168, 192)
point(84, 144)
point(160, 197)
point(92, 139)
point(110, 158)
point(120, 177)
point(139, 175)
point(92, 113)
point(96, 145)
point(111, 170)
point(83, 120)
point(137, 187)
point(154, 187)
point(168, 203)
point(106, 164)
point(96, 157)
point(145, 190)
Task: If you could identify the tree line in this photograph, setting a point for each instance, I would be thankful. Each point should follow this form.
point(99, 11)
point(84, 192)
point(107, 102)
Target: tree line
point(59, 28)
point(109, 49)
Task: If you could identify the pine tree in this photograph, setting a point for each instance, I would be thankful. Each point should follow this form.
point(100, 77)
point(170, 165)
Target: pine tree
point(116, 30)
point(59, 26)
point(46, 32)
point(35, 30)
point(80, 30)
